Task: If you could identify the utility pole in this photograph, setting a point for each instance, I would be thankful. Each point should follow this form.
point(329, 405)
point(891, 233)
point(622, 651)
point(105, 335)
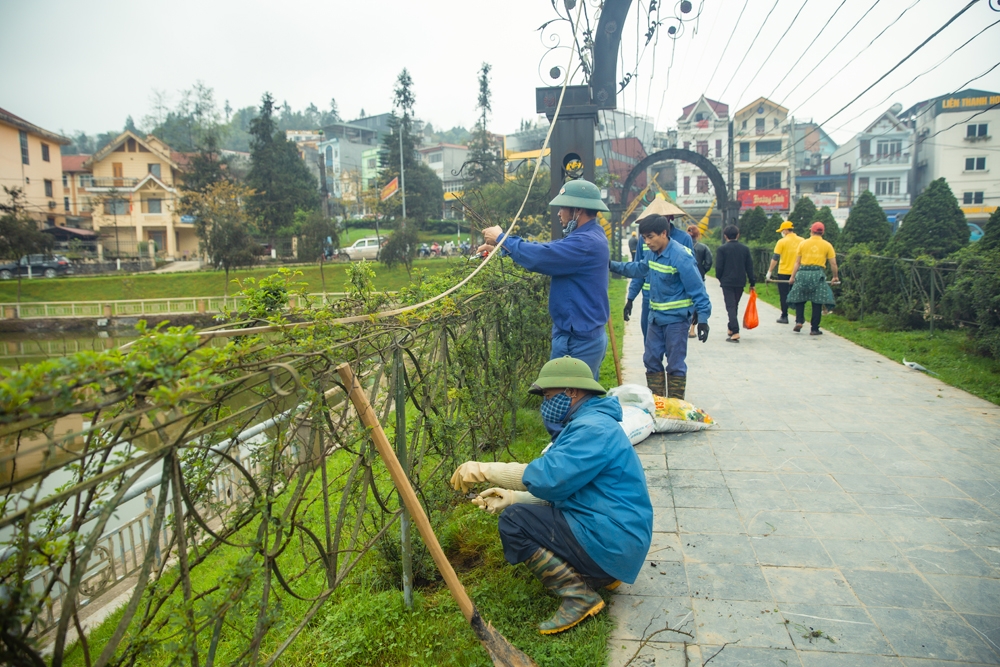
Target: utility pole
point(732, 192)
point(402, 175)
point(849, 183)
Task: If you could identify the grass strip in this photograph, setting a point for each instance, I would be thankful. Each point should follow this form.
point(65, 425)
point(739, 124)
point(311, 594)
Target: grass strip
point(948, 352)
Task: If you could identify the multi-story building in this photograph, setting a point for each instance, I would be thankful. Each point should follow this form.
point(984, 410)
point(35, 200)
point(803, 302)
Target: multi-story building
point(76, 178)
point(369, 167)
point(31, 159)
point(954, 140)
point(703, 128)
point(813, 170)
point(446, 161)
point(133, 193)
point(879, 160)
point(617, 158)
point(330, 150)
point(764, 154)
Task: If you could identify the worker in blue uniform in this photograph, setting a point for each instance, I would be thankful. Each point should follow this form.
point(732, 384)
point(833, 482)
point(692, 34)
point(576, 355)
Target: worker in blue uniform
point(578, 265)
point(579, 516)
point(676, 291)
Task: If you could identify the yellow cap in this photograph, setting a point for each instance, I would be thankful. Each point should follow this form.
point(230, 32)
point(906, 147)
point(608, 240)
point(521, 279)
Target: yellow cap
point(787, 224)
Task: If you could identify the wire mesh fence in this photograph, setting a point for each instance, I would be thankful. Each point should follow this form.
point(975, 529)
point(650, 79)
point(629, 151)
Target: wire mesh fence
point(205, 486)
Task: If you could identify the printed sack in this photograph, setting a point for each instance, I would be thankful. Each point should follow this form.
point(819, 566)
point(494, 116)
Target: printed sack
point(634, 394)
point(676, 416)
point(637, 423)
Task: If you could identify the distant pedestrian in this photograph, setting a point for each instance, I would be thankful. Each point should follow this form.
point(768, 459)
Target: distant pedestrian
point(808, 278)
point(633, 244)
point(784, 258)
point(733, 268)
point(703, 258)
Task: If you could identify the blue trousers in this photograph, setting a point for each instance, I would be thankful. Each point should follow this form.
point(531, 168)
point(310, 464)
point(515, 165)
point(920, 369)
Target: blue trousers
point(644, 320)
point(671, 340)
point(588, 350)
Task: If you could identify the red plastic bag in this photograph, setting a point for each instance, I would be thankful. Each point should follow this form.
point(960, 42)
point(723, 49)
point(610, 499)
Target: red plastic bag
point(750, 320)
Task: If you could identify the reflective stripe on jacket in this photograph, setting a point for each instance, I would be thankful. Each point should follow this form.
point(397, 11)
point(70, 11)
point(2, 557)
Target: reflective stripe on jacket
point(676, 288)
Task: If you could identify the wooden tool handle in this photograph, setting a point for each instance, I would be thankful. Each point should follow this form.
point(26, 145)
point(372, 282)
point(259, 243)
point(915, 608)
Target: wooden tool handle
point(402, 482)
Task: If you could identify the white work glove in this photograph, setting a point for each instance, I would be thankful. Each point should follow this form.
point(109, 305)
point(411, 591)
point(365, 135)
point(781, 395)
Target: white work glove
point(497, 500)
point(507, 475)
point(768, 276)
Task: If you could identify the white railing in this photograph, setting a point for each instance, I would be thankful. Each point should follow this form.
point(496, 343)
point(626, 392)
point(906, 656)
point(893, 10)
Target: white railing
point(128, 307)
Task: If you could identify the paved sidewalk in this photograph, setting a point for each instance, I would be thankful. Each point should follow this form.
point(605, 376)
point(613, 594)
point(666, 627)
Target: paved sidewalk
point(844, 511)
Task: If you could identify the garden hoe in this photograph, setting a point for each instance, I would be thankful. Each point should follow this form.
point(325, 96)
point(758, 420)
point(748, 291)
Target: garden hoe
point(501, 651)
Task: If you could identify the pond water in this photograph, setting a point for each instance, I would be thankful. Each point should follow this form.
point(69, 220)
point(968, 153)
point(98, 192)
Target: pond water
point(17, 349)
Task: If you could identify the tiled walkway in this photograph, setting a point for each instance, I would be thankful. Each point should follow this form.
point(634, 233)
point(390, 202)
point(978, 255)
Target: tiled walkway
point(845, 511)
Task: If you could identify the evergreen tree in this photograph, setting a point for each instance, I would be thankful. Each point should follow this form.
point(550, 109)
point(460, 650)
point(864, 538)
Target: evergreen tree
point(991, 233)
point(206, 167)
point(224, 228)
point(867, 223)
point(803, 215)
point(831, 231)
point(770, 235)
point(484, 164)
point(752, 224)
point(280, 179)
point(424, 193)
point(19, 233)
point(934, 226)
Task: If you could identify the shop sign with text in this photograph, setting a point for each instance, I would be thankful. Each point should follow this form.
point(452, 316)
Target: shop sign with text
point(821, 199)
point(769, 200)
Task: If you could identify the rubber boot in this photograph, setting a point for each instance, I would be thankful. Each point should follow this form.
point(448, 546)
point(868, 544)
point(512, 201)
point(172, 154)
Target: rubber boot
point(608, 584)
point(657, 383)
point(676, 384)
point(578, 599)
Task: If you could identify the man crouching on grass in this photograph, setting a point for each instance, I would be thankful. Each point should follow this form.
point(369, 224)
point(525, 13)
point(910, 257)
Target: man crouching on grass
point(579, 516)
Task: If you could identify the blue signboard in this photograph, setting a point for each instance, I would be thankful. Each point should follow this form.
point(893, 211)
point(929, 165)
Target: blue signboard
point(187, 218)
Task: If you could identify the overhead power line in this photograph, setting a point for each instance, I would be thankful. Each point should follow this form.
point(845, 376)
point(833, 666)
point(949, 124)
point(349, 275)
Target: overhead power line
point(905, 58)
point(750, 48)
point(726, 47)
point(773, 49)
point(827, 80)
point(815, 40)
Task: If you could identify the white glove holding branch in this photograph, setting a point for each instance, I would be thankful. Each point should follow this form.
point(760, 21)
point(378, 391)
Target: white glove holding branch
point(473, 472)
point(496, 500)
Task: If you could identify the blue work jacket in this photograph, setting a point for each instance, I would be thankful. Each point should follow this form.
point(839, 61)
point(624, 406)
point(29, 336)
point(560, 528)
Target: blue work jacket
point(676, 289)
point(578, 264)
point(592, 473)
point(638, 284)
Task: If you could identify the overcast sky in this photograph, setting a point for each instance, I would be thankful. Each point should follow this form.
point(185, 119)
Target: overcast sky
point(73, 65)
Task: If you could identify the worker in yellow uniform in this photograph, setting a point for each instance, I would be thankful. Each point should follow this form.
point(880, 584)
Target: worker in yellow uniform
point(809, 278)
point(784, 259)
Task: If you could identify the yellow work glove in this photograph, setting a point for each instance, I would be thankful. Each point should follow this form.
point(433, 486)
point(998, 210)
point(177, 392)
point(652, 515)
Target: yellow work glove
point(507, 475)
point(495, 500)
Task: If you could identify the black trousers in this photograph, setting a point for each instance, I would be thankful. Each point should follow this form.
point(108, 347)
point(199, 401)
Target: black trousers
point(732, 295)
point(817, 314)
point(526, 528)
point(783, 290)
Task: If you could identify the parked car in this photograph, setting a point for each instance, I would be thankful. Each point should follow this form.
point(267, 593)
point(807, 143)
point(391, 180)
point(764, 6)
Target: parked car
point(366, 248)
point(49, 266)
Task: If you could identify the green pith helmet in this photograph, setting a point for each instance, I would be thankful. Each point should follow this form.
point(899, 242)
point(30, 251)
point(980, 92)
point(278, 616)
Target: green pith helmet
point(566, 372)
point(580, 194)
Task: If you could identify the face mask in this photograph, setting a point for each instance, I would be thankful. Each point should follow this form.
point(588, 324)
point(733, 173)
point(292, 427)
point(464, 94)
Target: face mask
point(555, 409)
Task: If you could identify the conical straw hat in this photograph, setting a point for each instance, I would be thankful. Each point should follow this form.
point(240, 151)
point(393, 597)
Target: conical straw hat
point(660, 207)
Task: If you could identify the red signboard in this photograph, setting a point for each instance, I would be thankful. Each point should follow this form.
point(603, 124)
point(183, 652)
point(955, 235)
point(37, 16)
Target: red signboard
point(769, 200)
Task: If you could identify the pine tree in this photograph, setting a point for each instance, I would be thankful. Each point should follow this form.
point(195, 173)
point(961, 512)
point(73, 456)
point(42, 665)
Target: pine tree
point(991, 233)
point(934, 226)
point(484, 165)
point(770, 234)
point(424, 193)
point(752, 224)
point(206, 167)
point(867, 223)
point(280, 179)
point(802, 216)
point(831, 231)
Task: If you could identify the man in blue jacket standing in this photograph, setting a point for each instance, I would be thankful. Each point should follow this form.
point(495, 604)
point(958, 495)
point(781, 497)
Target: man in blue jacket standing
point(676, 291)
point(659, 206)
point(578, 264)
point(579, 516)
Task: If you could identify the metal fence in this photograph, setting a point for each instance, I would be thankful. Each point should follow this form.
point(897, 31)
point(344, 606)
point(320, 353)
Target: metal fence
point(245, 457)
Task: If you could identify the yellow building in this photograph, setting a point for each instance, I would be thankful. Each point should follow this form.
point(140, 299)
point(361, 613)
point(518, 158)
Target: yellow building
point(133, 193)
point(76, 201)
point(31, 159)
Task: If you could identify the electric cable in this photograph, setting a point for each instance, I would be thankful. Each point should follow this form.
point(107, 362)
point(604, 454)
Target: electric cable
point(749, 49)
point(722, 56)
point(907, 57)
point(773, 49)
point(815, 39)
